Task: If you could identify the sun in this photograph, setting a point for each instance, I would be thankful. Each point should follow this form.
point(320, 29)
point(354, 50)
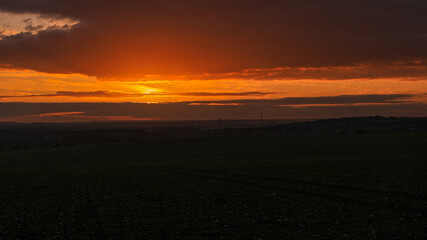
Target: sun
point(152, 91)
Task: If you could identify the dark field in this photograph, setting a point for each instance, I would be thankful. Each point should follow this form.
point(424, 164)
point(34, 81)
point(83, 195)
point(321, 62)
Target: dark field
point(350, 186)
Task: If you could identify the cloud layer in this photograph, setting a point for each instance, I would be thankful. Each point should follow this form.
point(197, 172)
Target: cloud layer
point(221, 39)
point(285, 108)
point(108, 94)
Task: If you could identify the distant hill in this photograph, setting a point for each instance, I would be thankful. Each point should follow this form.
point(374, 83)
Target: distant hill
point(22, 136)
point(357, 125)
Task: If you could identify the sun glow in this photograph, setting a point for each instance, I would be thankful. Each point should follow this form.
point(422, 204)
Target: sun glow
point(32, 86)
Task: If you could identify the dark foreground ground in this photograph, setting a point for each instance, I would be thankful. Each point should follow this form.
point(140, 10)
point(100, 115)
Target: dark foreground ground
point(350, 186)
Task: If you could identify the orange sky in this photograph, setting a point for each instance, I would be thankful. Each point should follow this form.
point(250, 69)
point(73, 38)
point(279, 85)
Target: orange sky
point(55, 51)
point(26, 82)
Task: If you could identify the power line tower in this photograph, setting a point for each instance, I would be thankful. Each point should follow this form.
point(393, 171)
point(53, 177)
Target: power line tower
point(219, 121)
point(261, 119)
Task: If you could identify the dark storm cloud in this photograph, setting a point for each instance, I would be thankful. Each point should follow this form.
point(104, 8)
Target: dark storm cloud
point(217, 39)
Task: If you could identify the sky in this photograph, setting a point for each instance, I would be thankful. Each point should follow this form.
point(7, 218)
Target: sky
point(195, 59)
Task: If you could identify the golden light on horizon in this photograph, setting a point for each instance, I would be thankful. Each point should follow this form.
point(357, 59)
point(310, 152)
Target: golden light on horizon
point(32, 86)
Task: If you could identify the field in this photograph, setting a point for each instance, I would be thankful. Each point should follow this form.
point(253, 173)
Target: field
point(348, 186)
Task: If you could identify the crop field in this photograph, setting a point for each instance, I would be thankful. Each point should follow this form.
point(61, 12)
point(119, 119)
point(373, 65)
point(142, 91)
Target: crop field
point(353, 186)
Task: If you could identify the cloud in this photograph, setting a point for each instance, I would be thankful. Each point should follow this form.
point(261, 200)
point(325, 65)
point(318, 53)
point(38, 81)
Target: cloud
point(57, 117)
point(221, 39)
point(12, 24)
point(406, 71)
point(286, 108)
point(98, 94)
point(57, 114)
point(108, 94)
point(221, 94)
point(333, 100)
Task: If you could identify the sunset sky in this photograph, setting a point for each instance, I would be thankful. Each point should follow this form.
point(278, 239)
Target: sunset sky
point(195, 59)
